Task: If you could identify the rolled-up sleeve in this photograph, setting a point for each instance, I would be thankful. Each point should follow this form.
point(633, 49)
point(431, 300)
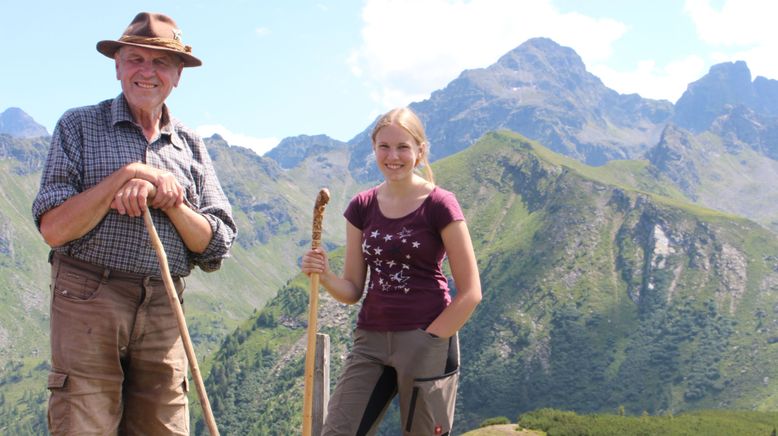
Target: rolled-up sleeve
point(215, 207)
point(61, 178)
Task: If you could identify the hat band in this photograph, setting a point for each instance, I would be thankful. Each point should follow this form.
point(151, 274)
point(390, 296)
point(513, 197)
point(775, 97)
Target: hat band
point(168, 43)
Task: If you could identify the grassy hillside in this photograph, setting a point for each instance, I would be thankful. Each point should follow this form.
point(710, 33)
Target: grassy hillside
point(596, 295)
point(602, 288)
point(700, 423)
point(23, 291)
point(600, 296)
point(273, 210)
point(722, 171)
point(704, 422)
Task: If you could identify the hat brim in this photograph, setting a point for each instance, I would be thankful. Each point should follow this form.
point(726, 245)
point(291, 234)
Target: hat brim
point(109, 48)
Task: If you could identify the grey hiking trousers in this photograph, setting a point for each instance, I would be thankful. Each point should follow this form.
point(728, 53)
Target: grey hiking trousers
point(422, 368)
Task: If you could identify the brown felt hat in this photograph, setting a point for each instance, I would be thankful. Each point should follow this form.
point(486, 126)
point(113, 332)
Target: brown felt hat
point(155, 31)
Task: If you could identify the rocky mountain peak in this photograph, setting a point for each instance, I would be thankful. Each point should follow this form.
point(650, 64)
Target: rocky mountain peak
point(15, 122)
point(536, 89)
point(293, 150)
point(726, 84)
point(545, 60)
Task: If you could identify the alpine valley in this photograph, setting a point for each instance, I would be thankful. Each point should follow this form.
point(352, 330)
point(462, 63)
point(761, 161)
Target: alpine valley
point(628, 251)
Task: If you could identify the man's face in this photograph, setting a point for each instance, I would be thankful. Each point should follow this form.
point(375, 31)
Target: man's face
point(148, 76)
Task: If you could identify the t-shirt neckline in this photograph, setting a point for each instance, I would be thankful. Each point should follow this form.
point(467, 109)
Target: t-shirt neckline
point(380, 212)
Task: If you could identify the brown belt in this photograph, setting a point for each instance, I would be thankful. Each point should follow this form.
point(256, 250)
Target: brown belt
point(105, 272)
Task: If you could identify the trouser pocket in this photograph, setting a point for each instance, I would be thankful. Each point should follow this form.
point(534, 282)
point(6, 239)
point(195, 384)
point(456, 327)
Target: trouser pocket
point(58, 411)
point(432, 405)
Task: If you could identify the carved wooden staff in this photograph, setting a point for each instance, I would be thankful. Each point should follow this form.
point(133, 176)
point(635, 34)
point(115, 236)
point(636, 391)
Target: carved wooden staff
point(179, 312)
point(310, 354)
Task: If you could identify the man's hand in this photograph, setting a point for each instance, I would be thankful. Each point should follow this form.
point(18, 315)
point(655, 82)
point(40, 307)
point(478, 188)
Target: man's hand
point(131, 198)
point(169, 194)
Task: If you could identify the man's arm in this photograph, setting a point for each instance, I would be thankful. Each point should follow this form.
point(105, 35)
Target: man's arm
point(123, 190)
point(82, 212)
point(213, 206)
point(193, 228)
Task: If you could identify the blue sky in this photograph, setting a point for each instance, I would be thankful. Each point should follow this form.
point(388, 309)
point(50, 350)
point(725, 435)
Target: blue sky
point(278, 69)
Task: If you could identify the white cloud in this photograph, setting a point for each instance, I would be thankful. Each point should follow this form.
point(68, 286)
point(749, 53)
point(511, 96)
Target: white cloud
point(410, 48)
point(262, 31)
point(651, 81)
point(741, 30)
point(259, 145)
point(740, 22)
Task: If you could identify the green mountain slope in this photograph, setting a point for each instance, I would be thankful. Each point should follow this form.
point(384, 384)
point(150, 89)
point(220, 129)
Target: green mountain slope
point(597, 295)
point(704, 422)
point(273, 210)
point(722, 171)
point(23, 290)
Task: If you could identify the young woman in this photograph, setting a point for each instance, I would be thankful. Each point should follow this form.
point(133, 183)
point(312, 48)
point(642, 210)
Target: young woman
point(406, 336)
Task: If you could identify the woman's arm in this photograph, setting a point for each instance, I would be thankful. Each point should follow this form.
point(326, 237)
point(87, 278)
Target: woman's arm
point(347, 289)
point(464, 268)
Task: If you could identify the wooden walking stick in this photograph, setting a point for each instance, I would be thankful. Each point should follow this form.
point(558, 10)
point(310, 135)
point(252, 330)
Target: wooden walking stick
point(179, 312)
point(310, 354)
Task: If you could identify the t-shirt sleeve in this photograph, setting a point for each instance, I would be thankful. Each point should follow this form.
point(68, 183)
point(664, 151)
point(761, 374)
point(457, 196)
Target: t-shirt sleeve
point(446, 209)
point(353, 212)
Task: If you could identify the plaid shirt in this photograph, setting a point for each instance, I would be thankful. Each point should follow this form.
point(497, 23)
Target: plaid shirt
point(92, 142)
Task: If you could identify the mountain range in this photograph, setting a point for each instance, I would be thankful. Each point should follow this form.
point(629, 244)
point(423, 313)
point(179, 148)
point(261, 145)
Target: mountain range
point(627, 249)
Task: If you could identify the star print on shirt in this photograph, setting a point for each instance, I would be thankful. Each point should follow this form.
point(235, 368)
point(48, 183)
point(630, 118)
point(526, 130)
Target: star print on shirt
point(390, 258)
point(399, 277)
point(404, 233)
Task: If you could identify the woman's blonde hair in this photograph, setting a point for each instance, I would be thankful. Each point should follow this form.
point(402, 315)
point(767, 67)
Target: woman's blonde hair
point(410, 122)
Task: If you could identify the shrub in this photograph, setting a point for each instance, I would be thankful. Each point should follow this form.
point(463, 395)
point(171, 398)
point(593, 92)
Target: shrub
point(497, 420)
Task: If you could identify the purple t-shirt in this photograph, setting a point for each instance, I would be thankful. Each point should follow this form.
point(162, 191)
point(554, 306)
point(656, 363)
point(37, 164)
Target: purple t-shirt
point(406, 288)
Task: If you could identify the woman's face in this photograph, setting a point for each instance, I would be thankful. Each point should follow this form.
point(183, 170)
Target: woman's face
point(396, 152)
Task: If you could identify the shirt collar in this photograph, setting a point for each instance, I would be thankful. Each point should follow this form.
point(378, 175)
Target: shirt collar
point(120, 113)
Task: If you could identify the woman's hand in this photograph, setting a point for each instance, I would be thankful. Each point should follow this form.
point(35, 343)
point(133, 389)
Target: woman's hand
point(315, 261)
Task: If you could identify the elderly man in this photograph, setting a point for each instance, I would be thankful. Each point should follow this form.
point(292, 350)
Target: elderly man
point(118, 364)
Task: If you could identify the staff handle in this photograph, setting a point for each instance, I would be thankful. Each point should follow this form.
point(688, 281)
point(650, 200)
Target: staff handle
point(310, 353)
